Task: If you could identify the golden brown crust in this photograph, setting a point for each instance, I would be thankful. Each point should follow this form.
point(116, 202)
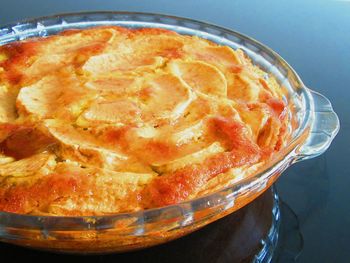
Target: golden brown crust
point(116, 120)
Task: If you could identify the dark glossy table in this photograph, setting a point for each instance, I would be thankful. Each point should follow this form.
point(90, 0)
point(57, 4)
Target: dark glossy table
point(314, 37)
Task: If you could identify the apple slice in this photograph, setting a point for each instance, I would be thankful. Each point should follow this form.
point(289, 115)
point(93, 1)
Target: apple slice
point(193, 158)
point(167, 46)
point(7, 105)
point(225, 58)
point(201, 76)
point(255, 118)
point(53, 96)
point(165, 97)
point(112, 62)
point(103, 191)
point(243, 88)
point(113, 112)
point(120, 85)
point(39, 163)
point(81, 146)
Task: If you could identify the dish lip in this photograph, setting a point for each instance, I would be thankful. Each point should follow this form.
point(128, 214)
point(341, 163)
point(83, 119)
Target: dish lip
point(281, 162)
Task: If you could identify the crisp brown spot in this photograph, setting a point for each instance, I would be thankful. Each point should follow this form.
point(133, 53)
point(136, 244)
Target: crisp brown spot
point(177, 186)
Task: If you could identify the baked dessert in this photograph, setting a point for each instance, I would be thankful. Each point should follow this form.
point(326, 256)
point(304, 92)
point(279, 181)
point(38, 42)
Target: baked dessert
point(109, 119)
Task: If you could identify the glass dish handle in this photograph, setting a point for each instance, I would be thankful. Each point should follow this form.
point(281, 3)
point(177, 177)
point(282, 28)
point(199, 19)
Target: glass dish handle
point(324, 128)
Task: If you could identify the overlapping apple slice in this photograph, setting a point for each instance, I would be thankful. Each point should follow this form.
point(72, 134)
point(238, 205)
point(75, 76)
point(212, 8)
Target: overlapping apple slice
point(116, 85)
point(162, 45)
point(192, 125)
point(243, 88)
point(141, 53)
point(109, 62)
point(192, 158)
point(7, 105)
point(228, 178)
point(191, 132)
point(46, 64)
point(53, 96)
point(223, 57)
point(38, 98)
point(81, 146)
point(229, 63)
point(269, 134)
point(165, 97)
point(116, 112)
point(71, 48)
point(255, 118)
point(78, 40)
point(201, 76)
point(38, 163)
point(106, 191)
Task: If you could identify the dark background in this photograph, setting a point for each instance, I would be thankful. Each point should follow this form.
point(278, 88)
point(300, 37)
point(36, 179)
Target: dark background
point(314, 37)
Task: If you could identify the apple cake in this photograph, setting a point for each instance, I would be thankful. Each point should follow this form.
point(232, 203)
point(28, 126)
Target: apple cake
point(109, 119)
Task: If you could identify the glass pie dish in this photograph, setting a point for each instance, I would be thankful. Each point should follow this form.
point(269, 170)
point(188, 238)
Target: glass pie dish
point(314, 126)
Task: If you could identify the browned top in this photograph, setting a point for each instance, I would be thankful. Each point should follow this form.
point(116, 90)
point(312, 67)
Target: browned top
point(108, 119)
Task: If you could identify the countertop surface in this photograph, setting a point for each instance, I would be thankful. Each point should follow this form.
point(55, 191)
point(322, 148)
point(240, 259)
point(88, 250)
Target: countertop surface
point(314, 37)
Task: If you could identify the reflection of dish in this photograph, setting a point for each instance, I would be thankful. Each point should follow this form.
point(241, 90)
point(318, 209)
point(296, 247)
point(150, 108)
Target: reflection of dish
point(316, 124)
point(290, 239)
point(270, 241)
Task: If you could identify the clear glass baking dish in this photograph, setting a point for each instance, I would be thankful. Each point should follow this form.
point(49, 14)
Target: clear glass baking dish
point(316, 124)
